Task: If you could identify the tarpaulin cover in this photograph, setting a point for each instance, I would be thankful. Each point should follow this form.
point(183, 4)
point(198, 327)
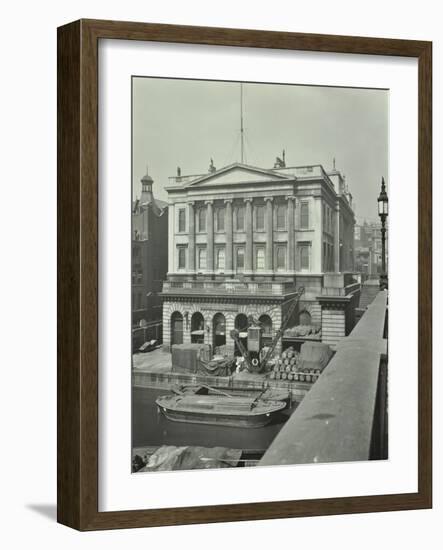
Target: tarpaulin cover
point(302, 330)
point(221, 367)
point(314, 355)
point(185, 357)
point(169, 457)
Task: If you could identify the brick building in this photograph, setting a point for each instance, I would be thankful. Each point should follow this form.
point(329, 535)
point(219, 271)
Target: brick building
point(149, 261)
point(241, 241)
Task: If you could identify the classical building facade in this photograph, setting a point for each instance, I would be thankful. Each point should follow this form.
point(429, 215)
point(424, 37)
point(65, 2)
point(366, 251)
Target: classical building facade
point(149, 262)
point(241, 241)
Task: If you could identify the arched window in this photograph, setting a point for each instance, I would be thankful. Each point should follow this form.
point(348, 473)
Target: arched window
point(197, 321)
point(197, 328)
point(266, 324)
point(176, 328)
point(241, 322)
point(219, 330)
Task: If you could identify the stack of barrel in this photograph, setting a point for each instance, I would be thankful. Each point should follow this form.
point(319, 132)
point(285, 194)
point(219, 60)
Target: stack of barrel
point(286, 367)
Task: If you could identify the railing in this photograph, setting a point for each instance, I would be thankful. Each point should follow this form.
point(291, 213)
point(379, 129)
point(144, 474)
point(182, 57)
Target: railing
point(228, 287)
point(343, 417)
point(152, 331)
point(339, 284)
point(334, 291)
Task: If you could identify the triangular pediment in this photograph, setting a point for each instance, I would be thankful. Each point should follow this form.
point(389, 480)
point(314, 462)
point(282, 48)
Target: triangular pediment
point(237, 174)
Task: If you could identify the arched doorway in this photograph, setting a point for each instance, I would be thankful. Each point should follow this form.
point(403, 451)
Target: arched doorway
point(241, 324)
point(197, 328)
point(218, 330)
point(176, 328)
point(266, 324)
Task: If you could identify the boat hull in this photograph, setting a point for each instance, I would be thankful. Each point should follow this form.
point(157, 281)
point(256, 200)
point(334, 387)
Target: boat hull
point(219, 419)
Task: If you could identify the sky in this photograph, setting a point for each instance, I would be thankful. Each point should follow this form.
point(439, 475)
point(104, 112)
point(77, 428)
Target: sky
point(187, 122)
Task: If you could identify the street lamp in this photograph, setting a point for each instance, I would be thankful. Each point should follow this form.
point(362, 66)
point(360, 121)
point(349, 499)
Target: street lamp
point(383, 213)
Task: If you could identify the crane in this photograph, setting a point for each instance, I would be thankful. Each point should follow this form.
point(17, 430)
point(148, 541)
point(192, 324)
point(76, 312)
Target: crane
point(251, 355)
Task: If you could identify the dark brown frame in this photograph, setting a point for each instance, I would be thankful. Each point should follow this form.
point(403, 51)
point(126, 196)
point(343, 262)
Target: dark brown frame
point(77, 480)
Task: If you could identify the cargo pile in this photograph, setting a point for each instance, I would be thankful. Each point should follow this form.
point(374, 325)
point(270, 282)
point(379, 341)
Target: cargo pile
point(286, 367)
point(303, 331)
point(305, 366)
point(221, 350)
point(196, 359)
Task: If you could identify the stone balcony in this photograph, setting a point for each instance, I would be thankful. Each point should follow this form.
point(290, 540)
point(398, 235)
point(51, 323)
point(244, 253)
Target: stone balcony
point(230, 287)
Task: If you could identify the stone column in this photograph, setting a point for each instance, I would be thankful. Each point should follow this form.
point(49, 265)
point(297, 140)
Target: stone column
point(269, 264)
point(249, 236)
point(191, 238)
point(229, 237)
point(209, 236)
point(337, 240)
point(166, 328)
point(291, 236)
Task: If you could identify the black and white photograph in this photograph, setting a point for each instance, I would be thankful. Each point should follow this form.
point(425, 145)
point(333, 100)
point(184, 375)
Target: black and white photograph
point(259, 266)
point(220, 288)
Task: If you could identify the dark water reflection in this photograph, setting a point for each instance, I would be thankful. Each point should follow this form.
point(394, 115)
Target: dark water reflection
point(150, 428)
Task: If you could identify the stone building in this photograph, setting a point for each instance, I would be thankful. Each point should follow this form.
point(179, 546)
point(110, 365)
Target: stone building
point(243, 239)
point(149, 262)
point(368, 250)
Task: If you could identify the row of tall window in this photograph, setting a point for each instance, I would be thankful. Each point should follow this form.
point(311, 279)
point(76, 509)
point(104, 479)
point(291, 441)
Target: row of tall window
point(259, 212)
point(280, 257)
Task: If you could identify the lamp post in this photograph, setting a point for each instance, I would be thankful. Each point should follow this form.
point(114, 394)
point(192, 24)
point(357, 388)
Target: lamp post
point(383, 213)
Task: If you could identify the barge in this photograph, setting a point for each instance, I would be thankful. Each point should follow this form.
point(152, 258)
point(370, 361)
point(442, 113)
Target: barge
point(203, 389)
point(221, 410)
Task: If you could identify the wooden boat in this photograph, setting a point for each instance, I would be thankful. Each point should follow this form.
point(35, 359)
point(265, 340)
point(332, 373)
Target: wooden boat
point(222, 410)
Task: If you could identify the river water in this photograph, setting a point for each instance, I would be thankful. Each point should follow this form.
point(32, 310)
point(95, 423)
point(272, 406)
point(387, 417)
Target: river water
point(151, 428)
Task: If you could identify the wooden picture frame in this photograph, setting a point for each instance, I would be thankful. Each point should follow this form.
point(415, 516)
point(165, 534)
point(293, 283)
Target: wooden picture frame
point(78, 273)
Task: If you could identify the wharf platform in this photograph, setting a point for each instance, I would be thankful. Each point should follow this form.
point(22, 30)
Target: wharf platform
point(154, 370)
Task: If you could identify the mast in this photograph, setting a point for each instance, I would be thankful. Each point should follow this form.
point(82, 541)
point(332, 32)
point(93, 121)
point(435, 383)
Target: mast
point(242, 145)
